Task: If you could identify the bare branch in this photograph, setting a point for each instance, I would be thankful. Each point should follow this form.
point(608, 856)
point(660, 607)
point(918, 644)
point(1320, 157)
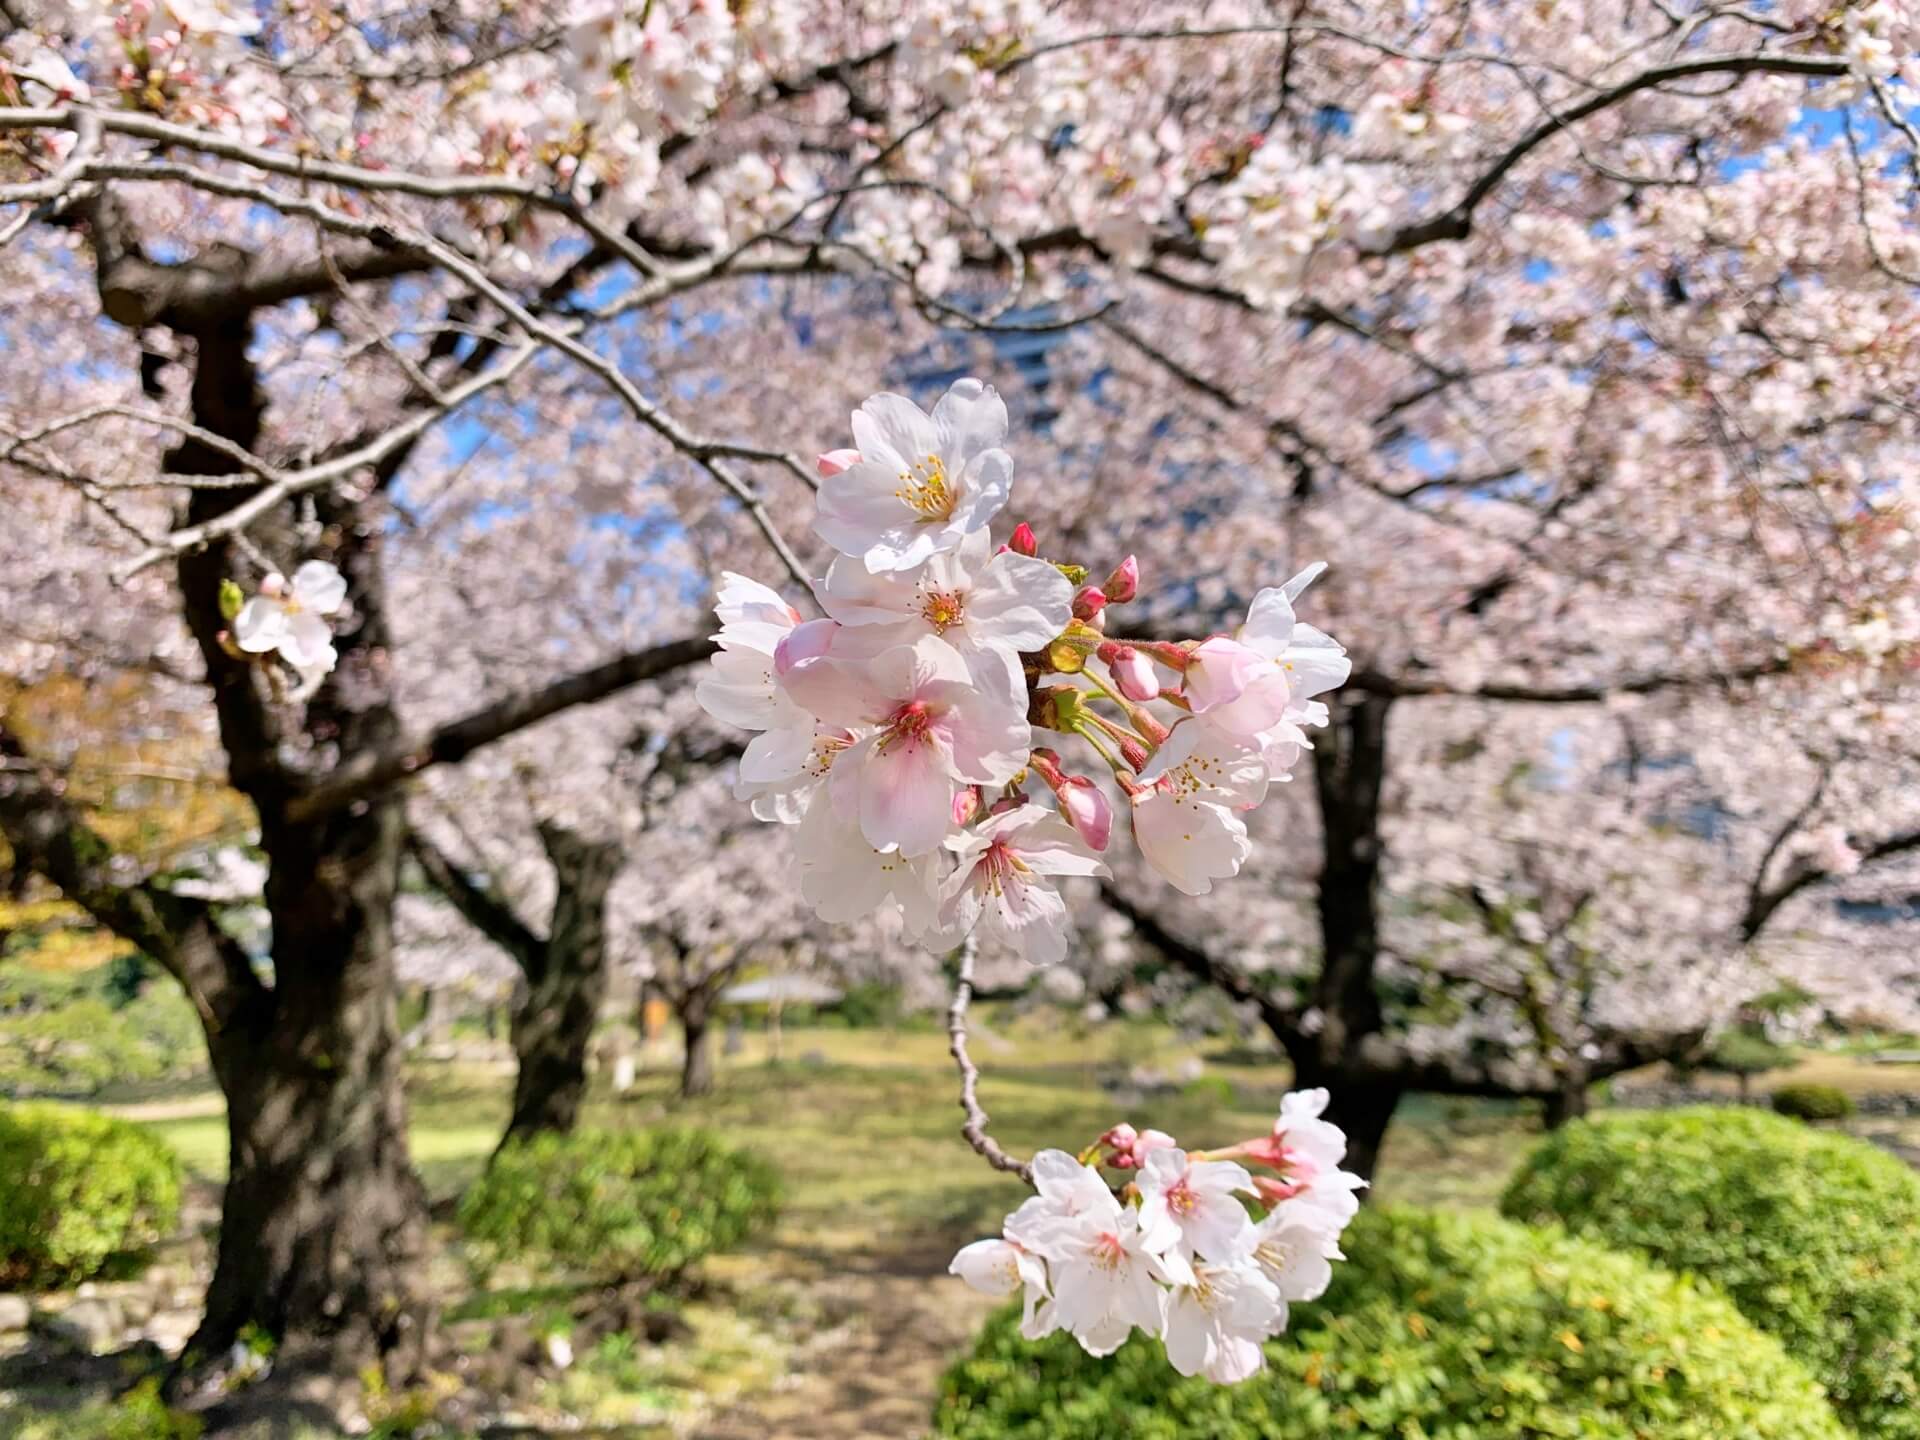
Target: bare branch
point(374, 770)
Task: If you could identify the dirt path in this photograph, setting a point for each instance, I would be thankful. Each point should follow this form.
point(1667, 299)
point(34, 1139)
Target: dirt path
point(894, 1321)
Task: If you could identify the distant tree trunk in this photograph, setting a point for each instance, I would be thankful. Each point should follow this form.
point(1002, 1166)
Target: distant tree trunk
point(566, 987)
point(1745, 1083)
point(1349, 766)
point(1570, 1102)
point(696, 1069)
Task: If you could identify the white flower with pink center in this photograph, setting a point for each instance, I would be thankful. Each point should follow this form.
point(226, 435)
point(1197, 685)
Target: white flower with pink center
point(290, 617)
point(1002, 881)
point(923, 482)
point(1216, 1323)
point(930, 729)
point(988, 607)
point(1194, 1206)
point(1190, 841)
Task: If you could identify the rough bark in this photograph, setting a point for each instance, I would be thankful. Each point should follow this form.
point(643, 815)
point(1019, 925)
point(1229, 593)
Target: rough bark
point(565, 990)
point(324, 1223)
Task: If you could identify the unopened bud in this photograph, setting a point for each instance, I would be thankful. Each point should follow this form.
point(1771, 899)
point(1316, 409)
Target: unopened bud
point(835, 461)
point(1132, 671)
point(1134, 753)
point(806, 641)
point(1085, 807)
point(1089, 602)
point(1124, 583)
point(966, 804)
point(1022, 541)
point(274, 586)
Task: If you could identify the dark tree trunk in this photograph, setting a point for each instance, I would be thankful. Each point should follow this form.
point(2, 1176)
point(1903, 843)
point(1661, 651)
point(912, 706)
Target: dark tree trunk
point(1570, 1102)
point(696, 1069)
point(324, 1221)
point(1361, 1105)
point(1349, 766)
point(566, 987)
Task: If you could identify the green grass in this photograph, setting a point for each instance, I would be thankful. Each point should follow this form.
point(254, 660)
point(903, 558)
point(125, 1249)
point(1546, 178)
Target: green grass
point(864, 1124)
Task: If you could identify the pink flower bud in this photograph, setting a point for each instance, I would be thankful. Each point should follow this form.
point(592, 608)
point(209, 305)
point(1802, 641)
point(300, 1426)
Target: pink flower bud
point(1124, 583)
point(274, 586)
point(807, 641)
point(1089, 602)
point(967, 804)
point(835, 461)
point(1022, 542)
point(1132, 671)
point(1085, 806)
point(1272, 1191)
point(1133, 752)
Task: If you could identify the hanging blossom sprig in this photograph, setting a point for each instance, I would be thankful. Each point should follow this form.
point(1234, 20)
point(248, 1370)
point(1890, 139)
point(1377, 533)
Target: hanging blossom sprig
point(1174, 1251)
point(897, 733)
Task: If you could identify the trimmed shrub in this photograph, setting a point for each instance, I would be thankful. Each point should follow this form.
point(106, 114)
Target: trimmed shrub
point(1441, 1327)
point(1812, 1102)
point(616, 1205)
point(1815, 1236)
point(78, 1190)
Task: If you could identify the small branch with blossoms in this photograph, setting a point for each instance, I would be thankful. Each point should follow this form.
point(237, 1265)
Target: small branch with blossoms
point(1174, 1251)
point(897, 736)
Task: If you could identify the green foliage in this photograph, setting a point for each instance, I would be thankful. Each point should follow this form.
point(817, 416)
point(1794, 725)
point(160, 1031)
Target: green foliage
point(1812, 1102)
point(1746, 1052)
point(77, 1191)
point(1211, 1089)
point(1441, 1327)
point(1815, 1236)
point(72, 1034)
point(140, 1414)
point(617, 1205)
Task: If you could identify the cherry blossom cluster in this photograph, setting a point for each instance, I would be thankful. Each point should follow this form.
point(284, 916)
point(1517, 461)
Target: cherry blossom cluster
point(1175, 1251)
point(896, 732)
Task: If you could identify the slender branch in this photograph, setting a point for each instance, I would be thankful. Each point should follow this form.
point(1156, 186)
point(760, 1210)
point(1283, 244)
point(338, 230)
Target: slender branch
point(1201, 963)
point(1413, 686)
point(49, 836)
point(1456, 222)
point(486, 911)
point(374, 770)
point(975, 1128)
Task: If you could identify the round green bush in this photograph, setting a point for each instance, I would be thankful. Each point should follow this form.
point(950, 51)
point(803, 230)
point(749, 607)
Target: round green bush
point(616, 1205)
point(78, 1190)
point(1815, 1236)
point(1812, 1102)
point(1440, 1327)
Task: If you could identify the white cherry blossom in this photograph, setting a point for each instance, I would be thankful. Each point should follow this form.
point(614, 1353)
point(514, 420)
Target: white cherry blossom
point(1194, 1205)
point(931, 730)
point(1001, 881)
point(988, 607)
point(923, 482)
point(1216, 1323)
point(290, 617)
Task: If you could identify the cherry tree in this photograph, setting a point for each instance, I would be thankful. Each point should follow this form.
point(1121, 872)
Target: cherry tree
point(1579, 340)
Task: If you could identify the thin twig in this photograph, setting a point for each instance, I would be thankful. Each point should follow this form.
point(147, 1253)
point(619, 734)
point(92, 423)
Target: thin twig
point(975, 1129)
